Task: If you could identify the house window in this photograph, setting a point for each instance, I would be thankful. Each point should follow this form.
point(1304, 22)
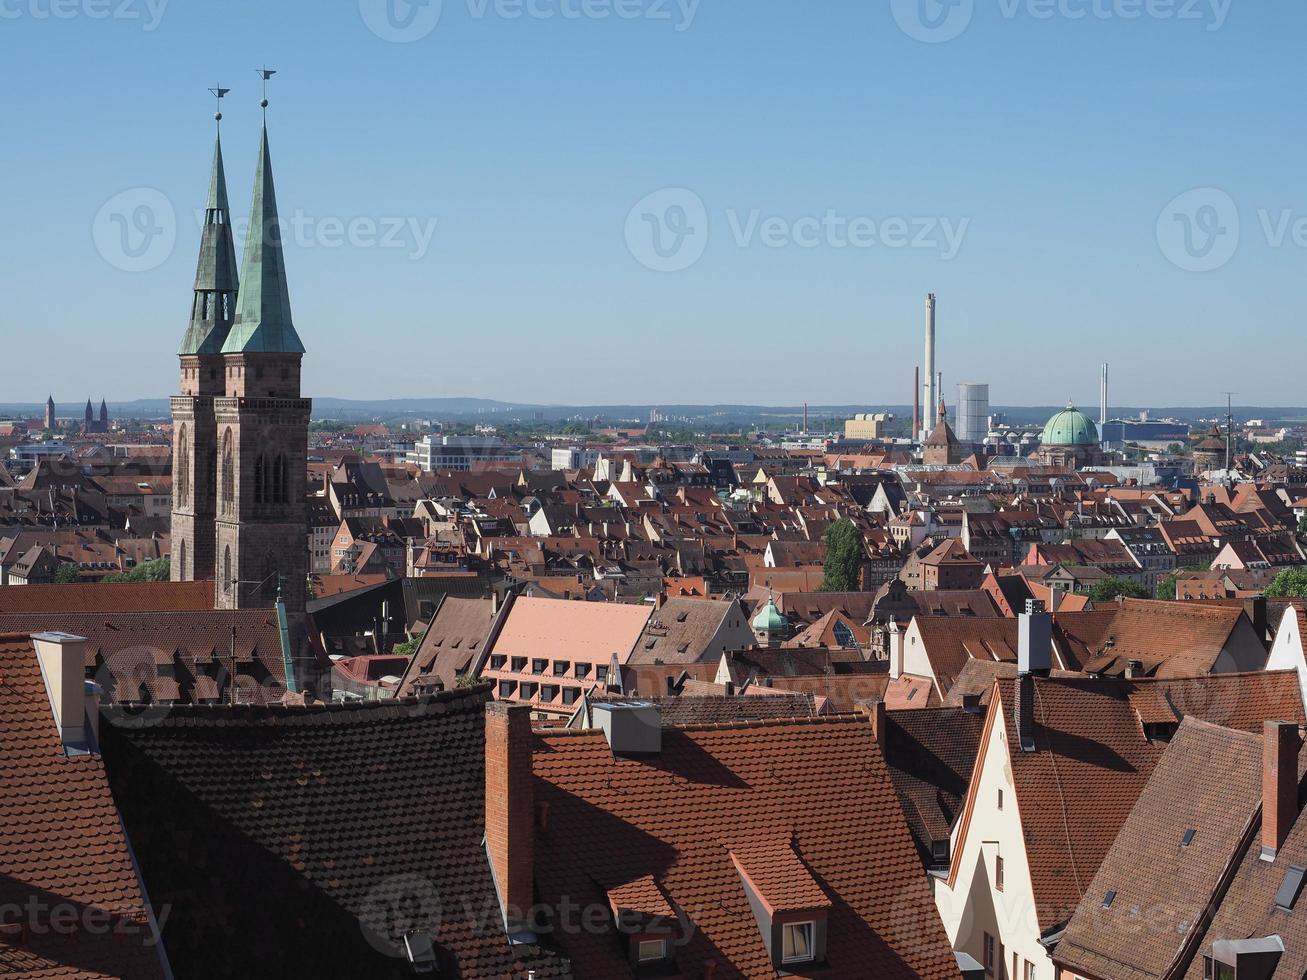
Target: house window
point(797, 942)
point(998, 873)
point(548, 692)
point(939, 851)
point(1000, 799)
point(519, 663)
point(582, 671)
point(528, 690)
point(601, 674)
point(570, 695)
point(506, 688)
point(497, 662)
point(560, 668)
point(1029, 973)
point(538, 666)
point(652, 950)
point(989, 954)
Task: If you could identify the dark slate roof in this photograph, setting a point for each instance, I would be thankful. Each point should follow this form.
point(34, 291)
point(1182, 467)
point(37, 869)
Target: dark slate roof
point(930, 753)
point(290, 832)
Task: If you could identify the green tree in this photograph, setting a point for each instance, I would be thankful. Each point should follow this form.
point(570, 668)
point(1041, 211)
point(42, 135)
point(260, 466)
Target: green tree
point(844, 554)
point(66, 574)
point(155, 570)
point(407, 648)
point(1302, 524)
point(1111, 587)
point(1289, 584)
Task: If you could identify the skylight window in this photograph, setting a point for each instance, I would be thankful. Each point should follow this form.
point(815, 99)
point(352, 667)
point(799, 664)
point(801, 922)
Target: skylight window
point(1188, 837)
point(1290, 888)
point(1109, 898)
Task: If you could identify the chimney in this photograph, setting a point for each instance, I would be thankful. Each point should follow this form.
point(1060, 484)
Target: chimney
point(63, 668)
point(1280, 743)
point(928, 423)
point(1034, 640)
point(510, 813)
point(878, 721)
point(1256, 610)
point(895, 650)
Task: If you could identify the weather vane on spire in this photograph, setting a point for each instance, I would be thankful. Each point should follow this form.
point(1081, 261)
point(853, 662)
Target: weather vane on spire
point(265, 73)
point(218, 93)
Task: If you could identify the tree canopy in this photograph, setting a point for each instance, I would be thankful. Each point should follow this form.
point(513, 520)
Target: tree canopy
point(844, 554)
point(1109, 588)
point(66, 574)
point(156, 570)
point(1289, 584)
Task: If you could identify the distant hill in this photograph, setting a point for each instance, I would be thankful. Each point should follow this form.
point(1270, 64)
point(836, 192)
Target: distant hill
point(487, 409)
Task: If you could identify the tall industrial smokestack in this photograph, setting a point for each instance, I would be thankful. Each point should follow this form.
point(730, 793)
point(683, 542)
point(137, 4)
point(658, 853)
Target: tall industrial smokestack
point(916, 403)
point(1102, 408)
point(805, 418)
point(932, 396)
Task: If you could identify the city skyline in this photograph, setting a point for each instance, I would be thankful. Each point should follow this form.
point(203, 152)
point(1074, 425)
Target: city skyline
point(456, 186)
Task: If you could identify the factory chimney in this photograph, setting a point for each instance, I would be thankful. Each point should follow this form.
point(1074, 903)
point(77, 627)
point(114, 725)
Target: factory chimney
point(916, 403)
point(1102, 408)
point(932, 396)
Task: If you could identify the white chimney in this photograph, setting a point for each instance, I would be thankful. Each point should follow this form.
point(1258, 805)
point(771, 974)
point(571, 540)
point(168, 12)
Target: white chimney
point(1034, 640)
point(895, 650)
point(63, 668)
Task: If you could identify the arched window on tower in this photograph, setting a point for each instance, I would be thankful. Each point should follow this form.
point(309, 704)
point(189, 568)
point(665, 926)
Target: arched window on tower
point(279, 488)
point(226, 569)
point(228, 474)
point(183, 467)
point(260, 479)
point(181, 562)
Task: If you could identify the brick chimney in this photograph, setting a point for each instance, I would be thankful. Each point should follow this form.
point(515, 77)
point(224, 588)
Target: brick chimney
point(1280, 743)
point(510, 812)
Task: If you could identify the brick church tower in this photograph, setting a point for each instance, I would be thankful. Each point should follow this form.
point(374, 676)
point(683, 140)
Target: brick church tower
point(194, 450)
point(262, 428)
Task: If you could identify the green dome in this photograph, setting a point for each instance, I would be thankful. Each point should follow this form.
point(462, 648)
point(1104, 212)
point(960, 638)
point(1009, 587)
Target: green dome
point(770, 619)
point(1070, 428)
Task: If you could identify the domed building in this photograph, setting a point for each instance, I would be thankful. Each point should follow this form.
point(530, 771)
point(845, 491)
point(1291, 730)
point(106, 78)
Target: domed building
point(1070, 439)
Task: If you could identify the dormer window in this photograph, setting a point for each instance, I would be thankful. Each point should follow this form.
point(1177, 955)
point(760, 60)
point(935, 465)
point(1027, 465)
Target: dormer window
point(788, 904)
point(651, 951)
point(798, 942)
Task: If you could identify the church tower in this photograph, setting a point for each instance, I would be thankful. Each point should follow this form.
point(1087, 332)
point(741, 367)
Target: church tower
point(262, 429)
point(195, 443)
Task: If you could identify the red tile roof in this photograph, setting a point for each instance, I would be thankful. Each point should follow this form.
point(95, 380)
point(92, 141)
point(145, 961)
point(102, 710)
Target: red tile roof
point(107, 597)
point(820, 786)
point(62, 848)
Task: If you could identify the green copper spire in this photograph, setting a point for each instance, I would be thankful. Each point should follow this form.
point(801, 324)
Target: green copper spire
point(263, 321)
point(216, 282)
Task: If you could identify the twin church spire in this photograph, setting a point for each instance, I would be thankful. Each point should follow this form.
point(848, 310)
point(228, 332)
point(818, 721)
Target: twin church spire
point(225, 318)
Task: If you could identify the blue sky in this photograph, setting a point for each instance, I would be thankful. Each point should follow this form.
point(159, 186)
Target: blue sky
point(477, 203)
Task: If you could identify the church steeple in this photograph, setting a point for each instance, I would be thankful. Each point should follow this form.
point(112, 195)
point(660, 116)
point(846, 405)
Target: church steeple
point(263, 320)
point(214, 304)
